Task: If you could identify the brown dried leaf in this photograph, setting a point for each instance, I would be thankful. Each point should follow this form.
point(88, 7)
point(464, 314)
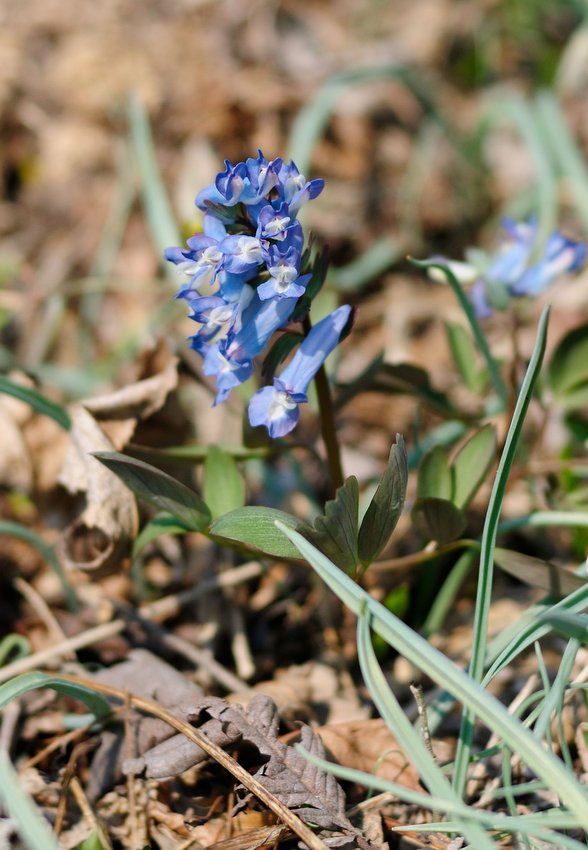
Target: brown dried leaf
point(314, 795)
point(100, 537)
point(369, 746)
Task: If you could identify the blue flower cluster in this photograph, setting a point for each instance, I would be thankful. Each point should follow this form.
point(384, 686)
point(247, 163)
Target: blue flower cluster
point(512, 273)
point(252, 262)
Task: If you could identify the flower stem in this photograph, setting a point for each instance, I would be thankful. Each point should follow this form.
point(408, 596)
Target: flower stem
point(327, 420)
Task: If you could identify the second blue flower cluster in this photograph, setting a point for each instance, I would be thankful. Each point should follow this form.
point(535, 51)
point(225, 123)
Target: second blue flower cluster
point(251, 260)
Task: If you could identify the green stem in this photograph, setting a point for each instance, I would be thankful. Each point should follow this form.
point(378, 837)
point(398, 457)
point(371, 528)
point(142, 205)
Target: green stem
point(327, 420)
point(478, 333)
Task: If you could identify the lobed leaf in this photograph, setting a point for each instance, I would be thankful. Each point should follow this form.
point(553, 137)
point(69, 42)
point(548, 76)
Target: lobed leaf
point(557, 581)
point(335, 533)
point(464, 356)
point(385, 507)
point(568, 366)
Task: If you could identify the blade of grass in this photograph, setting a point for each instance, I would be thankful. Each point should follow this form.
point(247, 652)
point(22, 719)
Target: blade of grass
point(486, 569)
point(441, 670)
point(395, 717)
point(37, 401)
point(476, 328)
point(30, 824)
point(447, 594)
point(162, 224)
point(564, 151)
point(9, 528)
point(537, 826)
point(519, 113)
point(555, 693)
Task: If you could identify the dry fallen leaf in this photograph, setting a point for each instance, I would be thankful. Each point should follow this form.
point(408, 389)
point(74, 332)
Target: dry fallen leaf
point(100, 537)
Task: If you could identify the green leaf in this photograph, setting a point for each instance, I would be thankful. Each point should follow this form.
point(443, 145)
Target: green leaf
point(335, 533)
point(444, 672)
point(568, 624)
point(29, 822)
point(568, 367)
point(224, 487)
point(435, 476)
point(158, 489)
point(385, 507)
point(37, 401)
point(488, 543)
point(30, 681)
point(13, 646)
point(476, 328)
point(255, 527)
point(472, 464)
point(557, 581)
point(163, 523)
point(92, 842)
point(438, 519)
point(464, 356)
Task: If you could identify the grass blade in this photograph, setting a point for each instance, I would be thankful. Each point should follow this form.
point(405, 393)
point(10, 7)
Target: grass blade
point(466, 306)
point(37, 401)
point(8, 528)
point(486, 570)
point(31, 825)
point(441, 670)
point(396, 719)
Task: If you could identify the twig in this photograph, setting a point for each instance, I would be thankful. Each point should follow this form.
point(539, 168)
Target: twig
point(86, 810)
point(41, 608)
point(157, 611)
point(202, 658)
point(196, 736)
point(240, 648)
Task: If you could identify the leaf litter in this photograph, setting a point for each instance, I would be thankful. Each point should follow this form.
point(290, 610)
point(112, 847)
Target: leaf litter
point(226, 80)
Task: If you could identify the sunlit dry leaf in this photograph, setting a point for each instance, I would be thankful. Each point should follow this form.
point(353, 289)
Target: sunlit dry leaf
point(118, 412)
point(102, 534)
point(369, 745)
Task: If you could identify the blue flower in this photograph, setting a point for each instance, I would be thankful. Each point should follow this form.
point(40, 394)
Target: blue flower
point(517, 269)
point(251, 253)
point(276, 407)
point(294, 188)
point(230, 361)
point(285, 280)
point(561, 255)
point(246, 183)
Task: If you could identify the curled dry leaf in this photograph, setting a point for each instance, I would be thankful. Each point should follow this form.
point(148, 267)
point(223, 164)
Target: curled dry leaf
point(118, 412)
point(101, 536)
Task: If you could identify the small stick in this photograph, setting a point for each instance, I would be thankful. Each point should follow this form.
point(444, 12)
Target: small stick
point(201, 658)
point(41, 609)
point(86, 810)
point(157, 611)
point(214, 751)
point(419, 698)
